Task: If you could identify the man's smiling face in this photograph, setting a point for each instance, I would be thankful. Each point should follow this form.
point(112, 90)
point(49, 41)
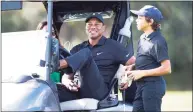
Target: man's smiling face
point(94, 28)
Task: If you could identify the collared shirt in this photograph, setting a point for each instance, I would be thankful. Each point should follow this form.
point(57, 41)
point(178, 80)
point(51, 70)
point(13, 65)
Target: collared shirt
point(150, 52)
point(108, 54)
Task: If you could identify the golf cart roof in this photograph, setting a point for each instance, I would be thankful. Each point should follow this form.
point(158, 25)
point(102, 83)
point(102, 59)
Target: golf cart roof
point(83, 6)
point(78, 10)
point(64, 11)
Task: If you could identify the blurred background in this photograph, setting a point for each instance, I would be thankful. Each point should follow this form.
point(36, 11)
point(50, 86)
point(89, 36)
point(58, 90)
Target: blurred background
point(176, 28)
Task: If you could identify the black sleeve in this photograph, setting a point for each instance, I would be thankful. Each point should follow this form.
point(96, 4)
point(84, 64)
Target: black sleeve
point(75, 49)
point(122, 54)
point(160, 51)
point(63, 53)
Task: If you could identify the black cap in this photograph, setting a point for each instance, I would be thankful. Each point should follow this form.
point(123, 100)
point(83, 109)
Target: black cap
point(95, 15)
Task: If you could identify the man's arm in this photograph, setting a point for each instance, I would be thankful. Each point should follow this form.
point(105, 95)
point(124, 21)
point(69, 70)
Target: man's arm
point(131, 61)
point(63, 64)
point(129, 66)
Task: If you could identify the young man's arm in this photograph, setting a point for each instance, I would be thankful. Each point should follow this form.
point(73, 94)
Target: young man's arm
point(164, 69)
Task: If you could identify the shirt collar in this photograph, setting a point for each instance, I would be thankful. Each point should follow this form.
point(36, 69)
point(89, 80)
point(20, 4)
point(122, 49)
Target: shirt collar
point(150, 36)
point(101, 41)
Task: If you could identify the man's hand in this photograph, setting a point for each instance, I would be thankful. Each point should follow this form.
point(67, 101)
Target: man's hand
point(130, 67)
point(132, 75)
point(131, 61)
point(126, 82)
point(69, 84)
point(136, 74)
point(63, 64)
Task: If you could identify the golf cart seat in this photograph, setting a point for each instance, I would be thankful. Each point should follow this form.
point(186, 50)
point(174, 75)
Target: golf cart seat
point(110, 100)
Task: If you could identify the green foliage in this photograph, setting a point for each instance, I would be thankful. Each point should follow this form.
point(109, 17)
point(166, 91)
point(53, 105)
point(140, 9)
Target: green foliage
point(12, 23)
point(23, 20)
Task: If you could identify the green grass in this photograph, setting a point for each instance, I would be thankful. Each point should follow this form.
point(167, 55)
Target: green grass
point(177, 101)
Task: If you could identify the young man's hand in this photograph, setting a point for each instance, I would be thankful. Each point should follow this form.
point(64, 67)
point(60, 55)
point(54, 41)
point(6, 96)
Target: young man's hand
point(136, 74)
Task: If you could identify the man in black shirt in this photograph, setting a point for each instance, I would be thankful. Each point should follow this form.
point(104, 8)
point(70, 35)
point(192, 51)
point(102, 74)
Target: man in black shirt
point(97, 60)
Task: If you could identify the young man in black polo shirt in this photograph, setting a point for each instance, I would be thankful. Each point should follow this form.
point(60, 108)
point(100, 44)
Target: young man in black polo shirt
point(97, 60)
point(152, 61)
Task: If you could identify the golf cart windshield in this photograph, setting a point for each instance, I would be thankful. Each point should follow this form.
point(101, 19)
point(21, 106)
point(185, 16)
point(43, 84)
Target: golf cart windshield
point(72, 30)
point(69, 17)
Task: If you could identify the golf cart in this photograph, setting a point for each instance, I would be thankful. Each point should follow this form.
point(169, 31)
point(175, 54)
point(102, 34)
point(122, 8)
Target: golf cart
point(31, 84)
